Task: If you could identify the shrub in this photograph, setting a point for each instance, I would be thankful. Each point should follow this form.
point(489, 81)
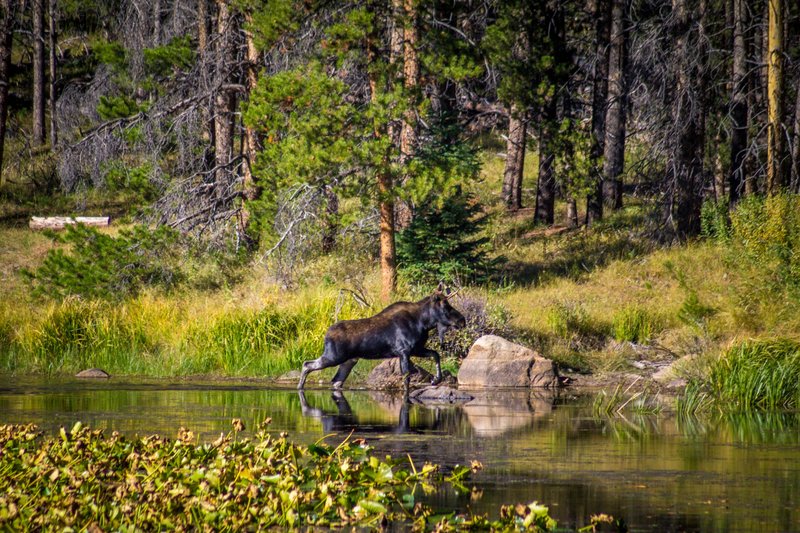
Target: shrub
point(758, 374)
point(692, 312)
point(715, 222)
point(633, 324)
point(101, 266)
point(441, 243)
point(568, 319)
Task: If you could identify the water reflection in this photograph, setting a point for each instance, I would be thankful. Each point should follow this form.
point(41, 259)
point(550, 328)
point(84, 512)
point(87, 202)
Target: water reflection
point(713, 473)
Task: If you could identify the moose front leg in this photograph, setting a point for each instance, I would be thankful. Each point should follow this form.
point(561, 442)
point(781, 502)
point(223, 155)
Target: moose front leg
point(435, 355)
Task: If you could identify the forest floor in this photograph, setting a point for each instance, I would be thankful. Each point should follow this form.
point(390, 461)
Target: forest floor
point(606, 301)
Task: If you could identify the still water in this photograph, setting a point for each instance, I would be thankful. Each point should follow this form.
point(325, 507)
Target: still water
point(659, 473)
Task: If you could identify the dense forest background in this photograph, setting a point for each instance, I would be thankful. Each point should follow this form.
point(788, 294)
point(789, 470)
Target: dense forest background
point(289, 128)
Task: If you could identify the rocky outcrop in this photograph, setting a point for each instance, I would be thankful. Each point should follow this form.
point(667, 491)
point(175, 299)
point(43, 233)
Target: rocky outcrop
point(439, 394)
point(387, 376)
point(96, 373)
point(496, 362)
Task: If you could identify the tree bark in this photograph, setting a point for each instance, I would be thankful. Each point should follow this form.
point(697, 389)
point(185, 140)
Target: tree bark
point(775, 98)
point(614, 146)
point(738, 109)
point(515, 159)
point(796, 146)
point(7, 13)
point(156, 22)
point(331, 225)
point(546, 190)
point(388, 256)
point(602, 14)
point(250, 188)
point(685, 163)
point(408, 134)
point(202, 25)
point(52, 40)
point(224, 100)
point(38, 72)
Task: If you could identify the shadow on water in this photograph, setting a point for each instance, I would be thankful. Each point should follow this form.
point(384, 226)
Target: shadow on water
point(659, 473)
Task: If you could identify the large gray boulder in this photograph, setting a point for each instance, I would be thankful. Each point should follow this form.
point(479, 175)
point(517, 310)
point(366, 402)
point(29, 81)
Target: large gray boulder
point(496, 362)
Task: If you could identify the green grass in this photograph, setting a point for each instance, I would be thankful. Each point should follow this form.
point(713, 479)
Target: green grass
point(758, 374)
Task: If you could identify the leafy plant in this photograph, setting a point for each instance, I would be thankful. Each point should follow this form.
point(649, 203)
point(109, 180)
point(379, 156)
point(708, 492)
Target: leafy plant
point(82, 477)
point(633, 324)
point(98, 265)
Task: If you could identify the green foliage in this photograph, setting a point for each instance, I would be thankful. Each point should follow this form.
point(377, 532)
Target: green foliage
point(118, 106)
point(569, 319)
point(715, 222)
point(633, 324)
point(757, 375)
point(113, 54)
point(121, 177)
point(97, 265)
point(271, 19)
point(693, 312)
point(163, 61)
point(573, 161)
point(441, 244)
point(765, 235)
point(233, 484)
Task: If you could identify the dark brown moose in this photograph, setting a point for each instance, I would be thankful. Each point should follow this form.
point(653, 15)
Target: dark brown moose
point(401, 330)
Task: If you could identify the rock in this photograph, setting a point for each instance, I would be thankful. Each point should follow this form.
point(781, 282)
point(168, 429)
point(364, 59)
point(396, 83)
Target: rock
point(290, 376)
point(387, 376)
point(495, 362)
point(677, 369)
point(439, 394)
point(93, 373)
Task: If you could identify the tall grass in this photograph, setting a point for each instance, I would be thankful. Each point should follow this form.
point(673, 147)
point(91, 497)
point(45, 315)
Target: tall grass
point(165, 335)
point(758, 374)
point(633, 324)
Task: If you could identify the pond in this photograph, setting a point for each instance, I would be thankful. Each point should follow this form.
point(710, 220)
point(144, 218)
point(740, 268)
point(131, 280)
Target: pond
point(658, 472)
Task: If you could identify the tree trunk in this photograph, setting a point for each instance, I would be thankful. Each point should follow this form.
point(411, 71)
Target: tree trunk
point(388, 257)
point(202, 25)
point(331, 225)
point(515, 159)
point(546, 191)
point(250, 189)
point(408, 137)
point(753, 173)
point(156, 22)
point(52, 13)
point(7, 13)
point(614, 146)
point(224, 99)
point(796, 146)
point(685, 166)
point(408, 134)
point(738, 110)
point(602, 14)
point(775, 98)
point(38, 72)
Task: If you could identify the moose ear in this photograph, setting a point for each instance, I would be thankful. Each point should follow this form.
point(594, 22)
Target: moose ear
point(440, 288)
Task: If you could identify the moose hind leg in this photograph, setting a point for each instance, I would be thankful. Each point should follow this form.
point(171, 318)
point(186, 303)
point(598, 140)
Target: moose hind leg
point(313, 366)
point(343, 372)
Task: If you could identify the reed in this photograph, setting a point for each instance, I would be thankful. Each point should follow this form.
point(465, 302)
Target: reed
point(758, 374)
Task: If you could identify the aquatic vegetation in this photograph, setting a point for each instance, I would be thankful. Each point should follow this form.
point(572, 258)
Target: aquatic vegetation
point(82, 477)
point(757, 374)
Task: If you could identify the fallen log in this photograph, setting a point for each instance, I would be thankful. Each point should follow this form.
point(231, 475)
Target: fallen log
point(61, 222)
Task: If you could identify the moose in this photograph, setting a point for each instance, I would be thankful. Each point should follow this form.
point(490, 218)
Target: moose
point(401, 330)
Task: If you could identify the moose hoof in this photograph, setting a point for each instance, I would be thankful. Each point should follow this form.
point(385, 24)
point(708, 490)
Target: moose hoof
point(436, 380)
point(337, 385)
